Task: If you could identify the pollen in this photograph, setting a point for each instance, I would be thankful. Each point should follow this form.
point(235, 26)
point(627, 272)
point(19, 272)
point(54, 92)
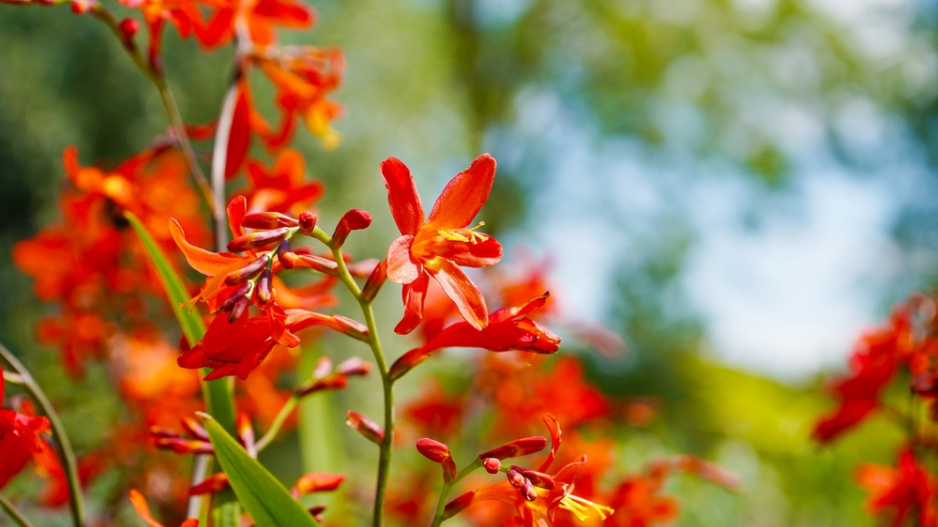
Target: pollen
point(584, 509)
point(464, 235)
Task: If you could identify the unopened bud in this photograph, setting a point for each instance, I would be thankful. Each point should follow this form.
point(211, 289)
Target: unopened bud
point(365, 426)
point(407, 362)
point(433, 450)
point(210, 485)
point(248, 271)
point(539, 479)
point(286, 255)
point(457, 505)
point(316, 512)
point(184, 446)
point(323, 368)
point(257, 239)
point(317, 482)
point(515, 478)
point(330, 382)
point(246, 433)
point(267, 221)
point(354, 366)
point(352, 220)
point(317, 263)
point(235, 296)
point(350, 327)
point(80, 7)
point(129, 28)
point(240, 306)
point(307, 222)
point(491, 465)
point(375, 280)
point(528, 491)
point(516, 448)
point(195, 428)
point(158, 432)
point(264, 287)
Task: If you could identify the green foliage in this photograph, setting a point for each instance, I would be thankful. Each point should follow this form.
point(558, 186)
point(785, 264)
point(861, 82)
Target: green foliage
point(267, 501)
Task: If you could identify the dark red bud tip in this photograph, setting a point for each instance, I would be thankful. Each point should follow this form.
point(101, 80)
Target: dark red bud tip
point(458, 505)
point(80, 7)
point(316, 512)
point(235, 297)
point(307, 222)
point(407, 362)
point(129, 28)
point(491, 465)
point(365, 426)
point(517, 448)
point(433, 450)
point(248, 271)
point(267, 220)
point(264, 287)
point(257, 239)
point(375, 280)
point(240, 306)
point(211, 484)
point(515, 478)
point(353, 220)
point(353, 366)
point(286, 255)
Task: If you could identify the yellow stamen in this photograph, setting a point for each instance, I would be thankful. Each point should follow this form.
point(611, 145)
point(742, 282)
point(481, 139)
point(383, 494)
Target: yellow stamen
point(464, 235)
point(583, 508)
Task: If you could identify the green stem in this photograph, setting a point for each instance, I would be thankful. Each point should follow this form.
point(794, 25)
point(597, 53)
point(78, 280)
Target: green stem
point(66, 453)
point(384, 459)
point(439, 518)
point(278, 423)
point(166, 95)
point(13, 512)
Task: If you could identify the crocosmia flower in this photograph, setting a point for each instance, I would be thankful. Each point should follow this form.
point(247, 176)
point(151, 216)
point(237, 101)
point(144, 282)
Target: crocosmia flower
point(440, 245)
point(20, 439)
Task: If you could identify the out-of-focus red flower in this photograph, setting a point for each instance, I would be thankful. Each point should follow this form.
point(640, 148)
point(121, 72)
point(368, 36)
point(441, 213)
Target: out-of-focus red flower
point(874, 363)
point(281, 188)
point(898, 494)
point(438, 246)
point(258, 18)
point(20, 439)
point(434, 411)
point(506, 329)
point(143, 510)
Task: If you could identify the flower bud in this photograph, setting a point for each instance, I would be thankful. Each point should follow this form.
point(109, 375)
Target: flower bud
point(317, 263)
point(163, 433)
point(316, 482)
point(235, 296)
point(210, 485)
point(307, 222)
point(248, 271)
point(80, 7)
point(407, 362)
point(365, 426)
point(330, 382)
point(246, 433)
point(459, 504)
point(350, 327)
point(240, 306)
point(433, 450)
point(528, 491)
point(286, 255)
point(491, 465)
point(129, 28)
point(184, 446)
point(263, 287)
point(257, 239)
point(352, 220)
point(539, 479)
point(375, 280)
point(515, 478)
point(323, 368)
point(516, 448)
point(267, 221)
point(194, 428)
point(354, 366)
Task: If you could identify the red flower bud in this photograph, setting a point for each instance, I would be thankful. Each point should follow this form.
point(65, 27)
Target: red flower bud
point(365, 426)
point(194, 428)
point(459, 504)
point(158, 432)
point(80, 7)
point(307, 222)
point(264, 287)
point(433, 450)
point(539, 479)
point(184, 446)
point(129, 28)
point(240, 306)
point(375, 280)
point(407, 362)
point(257, 239)
point(286, 255)
point(317, 263)
point(491, 465)
point(517, 448)
point(330, 382)
point(317, 482)
point(267, 221)
point(515, 478)
point(236, 296)
point(528, 491)
point(353, 366)
point(352, 220)
point(248, 271)
point(246, 433)
point(211, 484)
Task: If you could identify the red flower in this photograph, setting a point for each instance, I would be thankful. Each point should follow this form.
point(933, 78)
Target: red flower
point(258, 17)
point(281, 187)
point(140, 505)
point(907, 491)
point(506, 329)
point(438, 246)
point(20, 439)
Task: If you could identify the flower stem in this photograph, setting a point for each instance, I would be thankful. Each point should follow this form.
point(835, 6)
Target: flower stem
point(277, 424)
point(66, 453)
point(166, 95)
point(387, 384)
point(220, 159)
point(439, 517)
point(13, 512)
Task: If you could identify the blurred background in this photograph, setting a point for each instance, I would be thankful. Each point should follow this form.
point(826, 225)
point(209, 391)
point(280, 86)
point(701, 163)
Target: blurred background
point(736, 187)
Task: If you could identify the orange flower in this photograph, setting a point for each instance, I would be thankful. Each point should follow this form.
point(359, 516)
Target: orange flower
point(281, 188)
point(140, 505)
point(907, 491)
point(259, 18)
point(20, 439)
point(438, 246)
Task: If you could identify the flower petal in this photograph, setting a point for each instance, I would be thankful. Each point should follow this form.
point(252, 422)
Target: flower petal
point(464, 195)
point(403, 198)
point(414, 294)
point(205, 262)
point(401, 268)
point(237, 208)
point(460, 289)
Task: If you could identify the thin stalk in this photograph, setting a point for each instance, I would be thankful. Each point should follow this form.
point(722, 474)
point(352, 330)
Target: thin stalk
point(275, 427)
point(166, 95)
point(220, 160)
point(200, 467)
point(66, 453)
point(13, 512)
point(438, 518)
point(387, 384)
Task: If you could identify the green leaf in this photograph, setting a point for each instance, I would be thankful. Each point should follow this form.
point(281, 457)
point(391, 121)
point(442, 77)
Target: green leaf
point(217, 393)
point(267, 501)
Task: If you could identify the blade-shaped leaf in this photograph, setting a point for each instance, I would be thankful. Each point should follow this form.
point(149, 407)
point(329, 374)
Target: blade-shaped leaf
point(267, 501)
point(217, 393)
